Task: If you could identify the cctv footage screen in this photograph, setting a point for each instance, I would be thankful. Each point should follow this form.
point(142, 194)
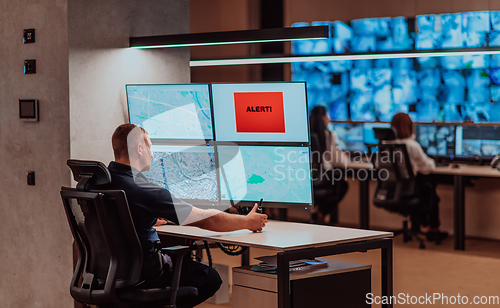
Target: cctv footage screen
point(188, 172)
point(431, 89)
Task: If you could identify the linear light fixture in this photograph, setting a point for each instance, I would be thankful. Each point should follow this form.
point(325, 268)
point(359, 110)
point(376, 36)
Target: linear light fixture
point(339, 57)
point(230, 37)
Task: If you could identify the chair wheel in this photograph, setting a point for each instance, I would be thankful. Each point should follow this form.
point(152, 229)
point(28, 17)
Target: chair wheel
point(422, 245)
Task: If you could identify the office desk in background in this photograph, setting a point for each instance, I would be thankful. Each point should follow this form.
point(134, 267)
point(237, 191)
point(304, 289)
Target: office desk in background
point(458, 174)
point(364, 192)
point(294, 241)
point(459, 194)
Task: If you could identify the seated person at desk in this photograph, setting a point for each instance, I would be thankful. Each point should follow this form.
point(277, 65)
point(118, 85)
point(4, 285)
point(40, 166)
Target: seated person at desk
point(422, 166)
point(148, 202)
point(331, 158)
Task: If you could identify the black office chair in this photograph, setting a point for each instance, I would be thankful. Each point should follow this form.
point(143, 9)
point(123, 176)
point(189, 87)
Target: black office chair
point(384, 134)
point(108, 270)
point(397, 190)
point(324, 195)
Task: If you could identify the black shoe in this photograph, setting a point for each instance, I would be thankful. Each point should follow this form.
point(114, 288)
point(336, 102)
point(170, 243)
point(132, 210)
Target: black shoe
point(436, 236)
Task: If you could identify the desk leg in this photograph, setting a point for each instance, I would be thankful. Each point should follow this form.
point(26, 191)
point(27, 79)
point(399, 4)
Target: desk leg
point(459, 212)
point(364, 204)
point(245, 257)
point(283, 281)
point(387, 275)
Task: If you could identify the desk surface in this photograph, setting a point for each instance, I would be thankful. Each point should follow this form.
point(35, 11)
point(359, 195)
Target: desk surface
point(469, 170)
point(278, 235)
point(465, 170)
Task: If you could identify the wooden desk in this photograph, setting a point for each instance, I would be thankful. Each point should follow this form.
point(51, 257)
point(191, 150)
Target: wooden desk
point(458, 194)
point(295, 241)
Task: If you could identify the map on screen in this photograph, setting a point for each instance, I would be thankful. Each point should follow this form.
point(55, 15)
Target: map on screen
point(275, 174)
point(188, 172)
point(171, 111)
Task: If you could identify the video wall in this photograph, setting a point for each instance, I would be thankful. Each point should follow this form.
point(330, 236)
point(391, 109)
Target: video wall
point(430, 89)
point(226, 144)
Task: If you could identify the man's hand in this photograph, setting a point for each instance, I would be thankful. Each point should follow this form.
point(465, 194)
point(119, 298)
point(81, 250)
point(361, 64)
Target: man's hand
point(255, 220)
point(215, 220)
point(160, 222)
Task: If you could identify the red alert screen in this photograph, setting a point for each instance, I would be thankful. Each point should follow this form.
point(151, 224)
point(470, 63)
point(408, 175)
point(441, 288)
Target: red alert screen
point(259, 112)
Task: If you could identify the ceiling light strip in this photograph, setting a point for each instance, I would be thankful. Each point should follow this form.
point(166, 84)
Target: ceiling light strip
point(230, 37)
point(295, 59)
point(224, 43)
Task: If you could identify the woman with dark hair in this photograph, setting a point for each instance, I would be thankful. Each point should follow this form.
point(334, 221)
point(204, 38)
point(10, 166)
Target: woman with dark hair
point(403, 125)
point(327, 158)
point(422, 165)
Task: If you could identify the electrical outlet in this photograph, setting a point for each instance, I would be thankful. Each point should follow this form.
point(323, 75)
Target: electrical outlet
point(28, 36)
point(30, 177)
point(30, 66)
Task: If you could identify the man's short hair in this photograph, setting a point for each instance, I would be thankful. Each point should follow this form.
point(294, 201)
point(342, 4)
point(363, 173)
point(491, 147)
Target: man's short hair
point(121, 139)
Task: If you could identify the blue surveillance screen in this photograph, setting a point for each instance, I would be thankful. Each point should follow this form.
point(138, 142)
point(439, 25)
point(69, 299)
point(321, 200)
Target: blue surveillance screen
point(188, 172)
point(349, 135)
point(171, 111)
point(369, 134)
point(431, 89)
point(275, 174)
point(436, 140)
point(478, 141)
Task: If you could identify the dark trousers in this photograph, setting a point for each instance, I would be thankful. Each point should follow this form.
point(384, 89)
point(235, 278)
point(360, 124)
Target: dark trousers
point(193, 274)
point(429, 210)
point(337, 186)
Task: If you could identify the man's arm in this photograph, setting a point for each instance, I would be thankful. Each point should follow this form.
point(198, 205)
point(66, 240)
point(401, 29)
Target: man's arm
point(215, 220)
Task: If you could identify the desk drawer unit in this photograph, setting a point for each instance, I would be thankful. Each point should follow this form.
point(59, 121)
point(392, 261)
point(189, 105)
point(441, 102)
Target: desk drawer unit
point(341, 284)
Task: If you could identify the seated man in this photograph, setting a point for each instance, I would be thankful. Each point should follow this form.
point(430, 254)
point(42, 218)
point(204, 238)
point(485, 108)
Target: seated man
point(148, 202)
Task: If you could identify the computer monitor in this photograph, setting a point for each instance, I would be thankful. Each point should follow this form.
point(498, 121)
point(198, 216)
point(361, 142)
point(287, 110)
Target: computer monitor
point(188, 172)
point(171, 111)
point(436, 140)
point(349, 135)
point(478, 141)
point(369, 133)
point(260, 112)
point(279, 175)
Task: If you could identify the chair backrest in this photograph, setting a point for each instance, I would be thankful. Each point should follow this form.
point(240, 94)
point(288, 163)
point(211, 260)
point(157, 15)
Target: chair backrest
point(383, 134)
point(396, 180)
point(110, 254)
point(316, 159)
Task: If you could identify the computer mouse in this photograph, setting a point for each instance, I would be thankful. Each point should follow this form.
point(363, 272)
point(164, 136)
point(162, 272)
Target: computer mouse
point(455, 166)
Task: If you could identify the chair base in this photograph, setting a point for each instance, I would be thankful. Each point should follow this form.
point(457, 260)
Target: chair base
point(409, 234)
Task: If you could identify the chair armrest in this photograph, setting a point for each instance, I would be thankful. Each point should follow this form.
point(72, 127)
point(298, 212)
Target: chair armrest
point(176, 250)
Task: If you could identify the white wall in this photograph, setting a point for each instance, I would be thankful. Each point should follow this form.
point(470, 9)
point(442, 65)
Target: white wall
point(100, 64)
point(81, 89)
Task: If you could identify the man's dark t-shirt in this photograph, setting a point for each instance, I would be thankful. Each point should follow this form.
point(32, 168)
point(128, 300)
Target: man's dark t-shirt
point(147, 203)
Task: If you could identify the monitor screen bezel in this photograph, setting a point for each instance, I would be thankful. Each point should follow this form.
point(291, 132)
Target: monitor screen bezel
point(270, 204)
point(256, 83)
point(222, 205)
point(176, 84)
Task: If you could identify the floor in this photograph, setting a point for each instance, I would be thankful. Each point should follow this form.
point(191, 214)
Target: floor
point(422, 272)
